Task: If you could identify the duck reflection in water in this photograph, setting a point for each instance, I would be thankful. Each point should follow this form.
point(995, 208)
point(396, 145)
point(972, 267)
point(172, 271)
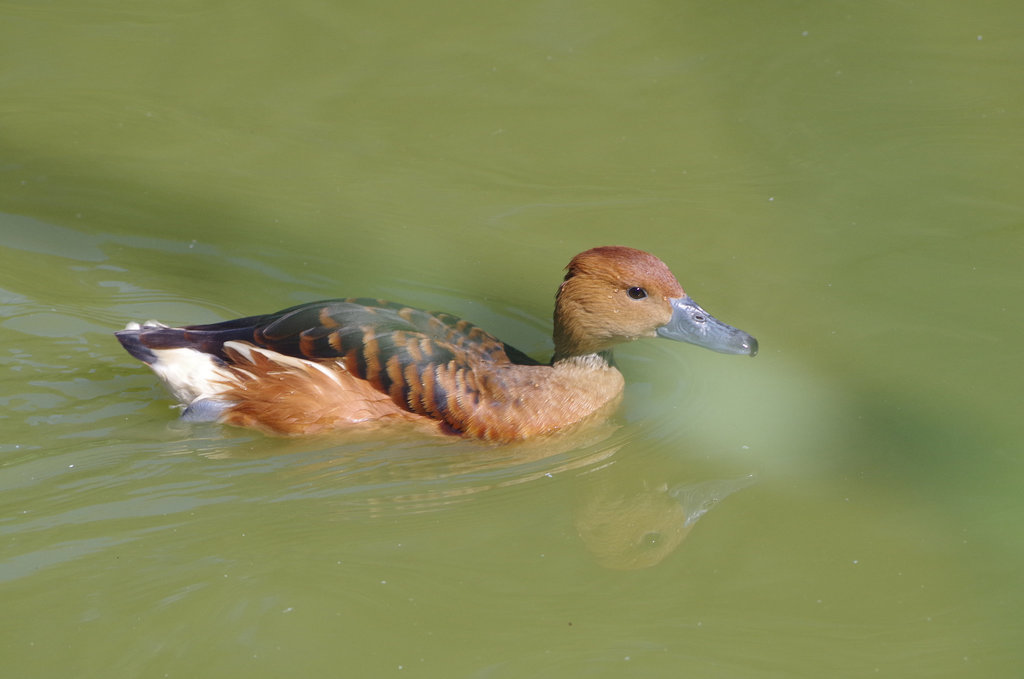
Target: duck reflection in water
point(639, 527)
point(628, 512)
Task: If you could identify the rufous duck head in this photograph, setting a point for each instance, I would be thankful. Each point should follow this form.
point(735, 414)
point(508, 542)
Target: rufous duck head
point(616, 294)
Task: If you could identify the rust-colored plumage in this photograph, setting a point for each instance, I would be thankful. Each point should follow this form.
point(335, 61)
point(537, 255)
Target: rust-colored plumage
point(343, 363)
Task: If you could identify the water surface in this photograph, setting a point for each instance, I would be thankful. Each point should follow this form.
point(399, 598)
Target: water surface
point(842, 180)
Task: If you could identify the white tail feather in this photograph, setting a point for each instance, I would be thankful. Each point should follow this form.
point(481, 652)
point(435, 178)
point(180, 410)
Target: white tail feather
point(191, 375)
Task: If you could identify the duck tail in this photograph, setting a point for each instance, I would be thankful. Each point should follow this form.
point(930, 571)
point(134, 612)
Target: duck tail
point(189, 366)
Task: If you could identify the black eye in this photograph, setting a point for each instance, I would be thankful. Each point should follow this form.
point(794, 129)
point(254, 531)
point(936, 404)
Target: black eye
point(636, 293)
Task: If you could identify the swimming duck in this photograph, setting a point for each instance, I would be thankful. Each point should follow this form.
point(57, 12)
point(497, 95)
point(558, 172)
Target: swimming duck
point(340, 363)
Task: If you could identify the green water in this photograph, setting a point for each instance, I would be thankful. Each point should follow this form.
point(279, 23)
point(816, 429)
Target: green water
point(841, 179)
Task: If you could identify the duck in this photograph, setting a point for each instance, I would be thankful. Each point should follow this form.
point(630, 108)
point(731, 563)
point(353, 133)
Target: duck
point(341, 364)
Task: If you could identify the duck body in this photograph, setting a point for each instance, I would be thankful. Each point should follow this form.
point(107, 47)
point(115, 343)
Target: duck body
point(344, 363)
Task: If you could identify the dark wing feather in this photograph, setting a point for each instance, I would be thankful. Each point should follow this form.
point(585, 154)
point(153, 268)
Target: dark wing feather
point(397, 349)
point(333, 328)
point(426, 362)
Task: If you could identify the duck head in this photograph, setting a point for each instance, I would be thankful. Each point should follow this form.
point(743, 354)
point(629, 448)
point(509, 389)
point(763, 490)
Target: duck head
point(617, 294)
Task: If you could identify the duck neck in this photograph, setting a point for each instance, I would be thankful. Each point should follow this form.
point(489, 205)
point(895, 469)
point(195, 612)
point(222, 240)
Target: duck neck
point(573, 340)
